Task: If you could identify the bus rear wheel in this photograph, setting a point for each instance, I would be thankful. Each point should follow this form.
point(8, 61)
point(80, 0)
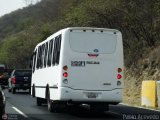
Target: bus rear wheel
point(33, 91)
point(39, 101)
point(49, 101)
point(56, 106)
point(51, 106)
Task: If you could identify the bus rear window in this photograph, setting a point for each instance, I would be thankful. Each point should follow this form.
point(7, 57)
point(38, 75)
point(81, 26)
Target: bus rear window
point(87, 42)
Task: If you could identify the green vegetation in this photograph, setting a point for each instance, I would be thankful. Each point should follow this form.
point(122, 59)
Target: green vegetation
point(139, 22)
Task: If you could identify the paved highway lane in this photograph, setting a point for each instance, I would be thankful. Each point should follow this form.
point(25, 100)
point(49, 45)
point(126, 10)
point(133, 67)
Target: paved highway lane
point(21, 106)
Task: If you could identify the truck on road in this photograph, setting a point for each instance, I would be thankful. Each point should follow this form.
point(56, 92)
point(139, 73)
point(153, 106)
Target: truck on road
point(19, 79)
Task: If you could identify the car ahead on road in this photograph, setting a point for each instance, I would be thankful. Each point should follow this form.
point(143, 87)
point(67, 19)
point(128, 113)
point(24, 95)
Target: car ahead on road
point(2, 103)
point(20, 79)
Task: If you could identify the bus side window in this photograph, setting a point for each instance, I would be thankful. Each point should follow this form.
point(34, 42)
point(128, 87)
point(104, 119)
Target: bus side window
point(45, 55)
point(54, 53)
point(38, 58)
point(50, 53)
point(41, 60)
point(34, 60)
point(58, 49)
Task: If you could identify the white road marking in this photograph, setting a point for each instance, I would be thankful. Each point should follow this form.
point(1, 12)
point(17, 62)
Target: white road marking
point(20, 112)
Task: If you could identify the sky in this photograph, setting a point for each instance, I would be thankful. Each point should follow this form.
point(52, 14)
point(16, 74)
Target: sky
point(7, 6)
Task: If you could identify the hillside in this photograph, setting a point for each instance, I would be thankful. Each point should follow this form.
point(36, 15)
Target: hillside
point(139, 22)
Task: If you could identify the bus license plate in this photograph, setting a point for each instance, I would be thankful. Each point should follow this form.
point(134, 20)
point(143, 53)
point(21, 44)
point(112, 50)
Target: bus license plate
point(92, 95)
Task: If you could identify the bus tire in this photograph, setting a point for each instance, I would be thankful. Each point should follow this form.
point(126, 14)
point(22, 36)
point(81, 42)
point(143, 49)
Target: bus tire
point(50, 103)
point(50, 106)
point(33, 91)
point(39, 101)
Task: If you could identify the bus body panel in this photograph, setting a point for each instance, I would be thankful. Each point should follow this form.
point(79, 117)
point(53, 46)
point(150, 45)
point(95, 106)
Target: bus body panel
point(50, 76)
point(93, 76)
point(99, 73)
point(111, 96)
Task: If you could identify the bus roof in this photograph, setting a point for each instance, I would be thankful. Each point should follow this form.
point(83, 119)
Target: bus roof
point(89, 28)
point(76, 28)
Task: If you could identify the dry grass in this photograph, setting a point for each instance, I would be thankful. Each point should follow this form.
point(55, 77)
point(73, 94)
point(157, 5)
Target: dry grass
point(147, 68)
point(132, 90)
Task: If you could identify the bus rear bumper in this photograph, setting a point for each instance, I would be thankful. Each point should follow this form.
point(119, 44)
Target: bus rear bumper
point(110, 96)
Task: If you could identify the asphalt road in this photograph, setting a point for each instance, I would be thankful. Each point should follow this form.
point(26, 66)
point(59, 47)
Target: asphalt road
point(21, 106)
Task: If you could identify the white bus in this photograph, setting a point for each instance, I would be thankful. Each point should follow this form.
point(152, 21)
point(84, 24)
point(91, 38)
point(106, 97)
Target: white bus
point(79, 65)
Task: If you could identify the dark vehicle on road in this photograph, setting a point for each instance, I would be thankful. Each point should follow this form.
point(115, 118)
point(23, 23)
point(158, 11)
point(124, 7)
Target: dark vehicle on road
point(20, 79)
point(2, 103)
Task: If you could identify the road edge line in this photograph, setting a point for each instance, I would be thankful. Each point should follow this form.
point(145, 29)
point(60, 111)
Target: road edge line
point(20, 112)
point(139, 107)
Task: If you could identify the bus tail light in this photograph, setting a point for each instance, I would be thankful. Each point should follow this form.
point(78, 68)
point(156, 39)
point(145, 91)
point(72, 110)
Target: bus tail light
point(65, 74)
point(13, 80)
point(119, 76)
point(119, 70)
point(65, 68)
